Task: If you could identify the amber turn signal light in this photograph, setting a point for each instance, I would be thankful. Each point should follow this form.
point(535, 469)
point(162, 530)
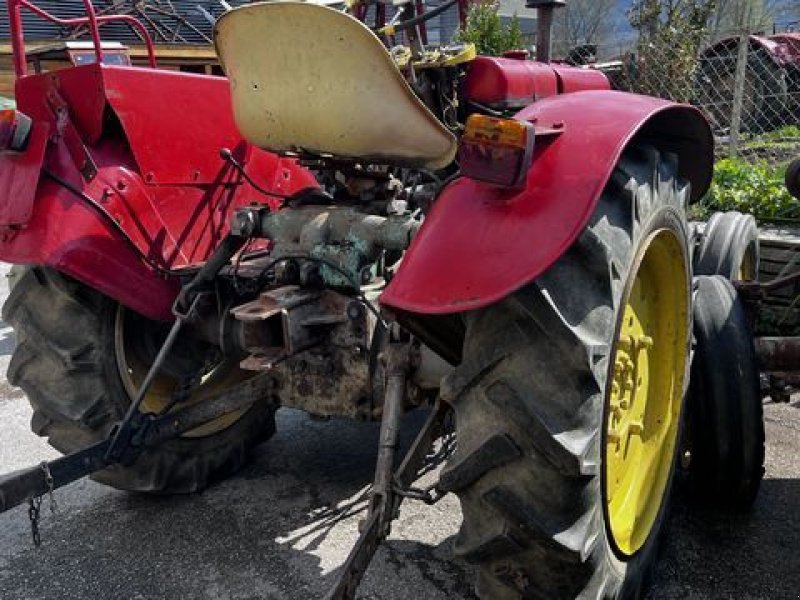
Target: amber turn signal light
point(496, 151)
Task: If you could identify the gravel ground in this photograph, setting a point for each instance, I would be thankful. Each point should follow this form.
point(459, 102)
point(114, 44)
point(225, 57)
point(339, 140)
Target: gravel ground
point(280, 528)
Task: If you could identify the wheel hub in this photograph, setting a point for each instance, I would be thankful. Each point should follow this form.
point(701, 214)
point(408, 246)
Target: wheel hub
point(133, 361)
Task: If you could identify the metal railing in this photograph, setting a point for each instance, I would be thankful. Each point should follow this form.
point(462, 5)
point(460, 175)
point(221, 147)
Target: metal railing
point(91, 19)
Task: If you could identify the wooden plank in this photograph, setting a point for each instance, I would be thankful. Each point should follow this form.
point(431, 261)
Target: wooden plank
point(7, 84)
point(780, 235)
point(780, 255)
point(177, 51)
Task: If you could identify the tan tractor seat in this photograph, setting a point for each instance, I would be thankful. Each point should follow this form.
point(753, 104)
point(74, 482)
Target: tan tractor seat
point(305, 77)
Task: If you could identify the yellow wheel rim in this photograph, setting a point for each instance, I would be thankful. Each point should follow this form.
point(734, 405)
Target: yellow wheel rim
point(133, 367)
point(646, 390)
point(747, 268)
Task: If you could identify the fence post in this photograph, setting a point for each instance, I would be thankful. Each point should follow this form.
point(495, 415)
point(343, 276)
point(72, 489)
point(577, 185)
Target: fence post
point(739, 82)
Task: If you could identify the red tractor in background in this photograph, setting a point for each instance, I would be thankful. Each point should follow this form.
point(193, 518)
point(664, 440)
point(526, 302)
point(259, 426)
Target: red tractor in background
point(771, 81)
point(357, 232)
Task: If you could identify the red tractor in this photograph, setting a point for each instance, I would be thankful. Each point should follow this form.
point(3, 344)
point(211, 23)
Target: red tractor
point(770, 82)
point(357, 232)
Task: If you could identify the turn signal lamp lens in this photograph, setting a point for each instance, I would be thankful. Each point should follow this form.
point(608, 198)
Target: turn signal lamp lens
point(15, 130)
point(497, 151)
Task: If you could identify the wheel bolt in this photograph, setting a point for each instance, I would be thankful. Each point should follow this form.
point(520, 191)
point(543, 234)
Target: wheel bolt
point(645, 341)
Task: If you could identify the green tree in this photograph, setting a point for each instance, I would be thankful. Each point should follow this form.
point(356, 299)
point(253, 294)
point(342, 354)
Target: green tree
point(484, 28)
point(671, 34)
point(583, 22)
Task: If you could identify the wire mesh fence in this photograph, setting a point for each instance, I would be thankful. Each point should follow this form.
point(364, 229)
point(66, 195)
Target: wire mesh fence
point(748, 86)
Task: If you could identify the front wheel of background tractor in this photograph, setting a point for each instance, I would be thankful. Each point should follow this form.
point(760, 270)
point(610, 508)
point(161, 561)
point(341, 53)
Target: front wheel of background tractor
point(80, 357)
point(725, 433)
point(568, 402)
point(729, 247)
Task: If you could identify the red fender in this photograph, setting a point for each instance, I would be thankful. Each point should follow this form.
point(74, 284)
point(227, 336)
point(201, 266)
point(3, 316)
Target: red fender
point(480, 243)
point(155, 138)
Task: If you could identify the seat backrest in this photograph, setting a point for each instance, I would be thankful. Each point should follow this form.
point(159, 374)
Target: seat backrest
point(307, 77)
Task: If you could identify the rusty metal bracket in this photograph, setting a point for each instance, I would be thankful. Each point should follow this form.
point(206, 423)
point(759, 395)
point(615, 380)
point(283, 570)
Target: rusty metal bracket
point(757, 289)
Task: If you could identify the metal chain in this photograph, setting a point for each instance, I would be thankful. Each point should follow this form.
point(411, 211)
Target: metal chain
point(34, 508)
point(35, 505)
point(429, 495)
point(432, 494)
point(48, 479)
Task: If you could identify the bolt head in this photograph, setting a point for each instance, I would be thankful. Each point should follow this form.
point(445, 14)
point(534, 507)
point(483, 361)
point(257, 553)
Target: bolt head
point(244, 223)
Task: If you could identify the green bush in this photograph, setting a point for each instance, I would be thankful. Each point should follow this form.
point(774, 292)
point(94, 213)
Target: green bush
point(788, 132)
point(484, 28)
point(755, 188)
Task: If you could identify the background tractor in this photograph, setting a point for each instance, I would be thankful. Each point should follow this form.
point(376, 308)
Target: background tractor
point(357, 232)
point(771, 81)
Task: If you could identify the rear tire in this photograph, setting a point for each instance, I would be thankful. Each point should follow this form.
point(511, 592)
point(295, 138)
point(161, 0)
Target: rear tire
point(531, 401)
point(725, 434)
point(66, 363)
point(792, 178)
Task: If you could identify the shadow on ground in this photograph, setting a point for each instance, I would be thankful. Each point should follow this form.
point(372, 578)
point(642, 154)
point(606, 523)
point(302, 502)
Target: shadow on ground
point(280, 529)
point(711, 555)
point(277, 530)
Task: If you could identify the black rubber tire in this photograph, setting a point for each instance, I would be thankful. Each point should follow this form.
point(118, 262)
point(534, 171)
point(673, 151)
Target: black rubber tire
point(529, 397)
point(792, 178)
point(725, 433)
point(729, 243)
point(65, 362)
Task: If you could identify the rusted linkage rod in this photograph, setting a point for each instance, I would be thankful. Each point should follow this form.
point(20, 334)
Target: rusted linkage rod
point(20, 486)
point(778, 353)
point(386, 500)
point(758, 288)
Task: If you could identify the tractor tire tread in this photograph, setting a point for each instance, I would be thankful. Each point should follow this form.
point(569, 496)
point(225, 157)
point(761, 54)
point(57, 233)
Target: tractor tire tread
point(728, 458)
point(64, 362)
point(533, 379)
